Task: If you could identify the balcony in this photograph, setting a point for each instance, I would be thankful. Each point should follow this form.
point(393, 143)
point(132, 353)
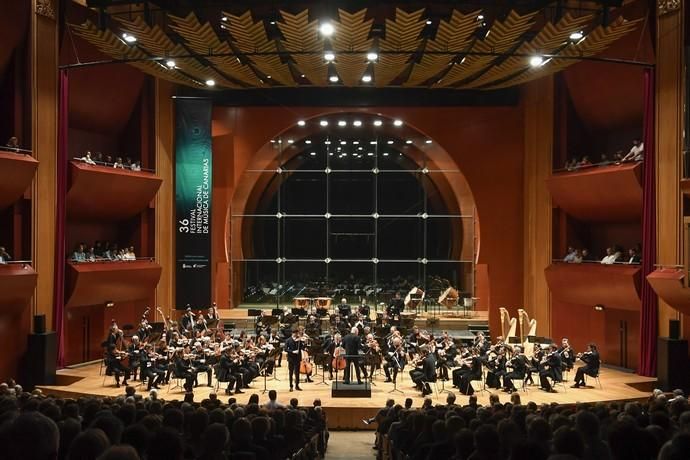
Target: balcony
point(17, 285)
point(95, 283)
point(107, 194)
point(610, 193)
point(19, 168)
point(670, 284)
point(616, 286)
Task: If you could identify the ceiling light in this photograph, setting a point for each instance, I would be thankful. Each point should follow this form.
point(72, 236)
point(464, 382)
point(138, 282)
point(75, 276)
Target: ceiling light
point(268, 76)
point(307, 141)
point(129, 38)
point(326, 29)
point(575, 36)
point(355, 142)
point(357, 123)
point(343, 142)
point(273, 23)
point(385, 154)
point(301, 123)
point(428, 22)
point(480, 17)
point(372, 142)
point(378, 122)
point(389, 142)
point(372, 56)
point(428, 141)
point(323, 123)
point(333, 79)
point(224, 19)
point(398, 123)
point(313, 154)
point(302, 75)
point(536, 61)
point(327, 143)
point(409, 141)
point(170, 63)
point(342, 123)
point(366, 78)
point(329, 56)
point(360, 148)
point(291, 141)
point(210, 83)
point(370, 154)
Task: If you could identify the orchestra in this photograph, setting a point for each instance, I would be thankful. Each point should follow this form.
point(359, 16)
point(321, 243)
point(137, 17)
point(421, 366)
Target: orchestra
point(344, 341)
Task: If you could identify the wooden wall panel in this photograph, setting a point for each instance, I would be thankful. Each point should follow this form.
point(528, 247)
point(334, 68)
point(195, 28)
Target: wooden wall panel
point(538, 105)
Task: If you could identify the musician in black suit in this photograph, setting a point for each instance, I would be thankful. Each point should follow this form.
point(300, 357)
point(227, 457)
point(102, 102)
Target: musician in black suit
point(427, 373)
point(395, 306)
point(551, 367)
point(187, 320)
point(395, 359)
point(227, 371)
point(149, 371)
point(184, 370)
point(113, 366)
point(293, 348)
point(591, 367)
point(463, 377)
point(517, 366)
point(352, 343)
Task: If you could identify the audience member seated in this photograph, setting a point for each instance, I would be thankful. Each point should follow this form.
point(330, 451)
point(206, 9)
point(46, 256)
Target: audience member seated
point(4, 256)
point(118, 163)
point(79, 254)
point(636, 153)
point(38, 427)
point(633, 256)
point(13, 143)
point(87, 159)
point(612, 256)
point(97, 158)
point(100, 252)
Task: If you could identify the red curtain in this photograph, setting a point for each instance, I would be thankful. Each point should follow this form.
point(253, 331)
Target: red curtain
point(60, 215)
point(649, 315)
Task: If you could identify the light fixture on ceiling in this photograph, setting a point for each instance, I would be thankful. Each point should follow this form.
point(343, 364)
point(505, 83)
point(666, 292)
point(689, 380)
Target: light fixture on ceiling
point(599, 307)
point(357, 123)
point(366, 78)
point(480, 17)
point(268, 76)
point(129, 38)
point(170, 63)
point(428, 141)
point(372, 142)
point(327, 143)
point(378, 122)
point(389, 142)
point(210, 82)
point(342, 123)
point(323, 123)
point(327, 29)
point(355, 142)
point(409, 141)
point(397, 123)
point(313, 154)
point(576, 36)
point(370, 154)
point(224, 19)
point(372, 56)
point(329, 56)
point(307, 142)
point(428, 22)
point(291, 141)
point(301, 123)
point(385, 154)
point(536, 61)
point(343, 142)
point(333, 79)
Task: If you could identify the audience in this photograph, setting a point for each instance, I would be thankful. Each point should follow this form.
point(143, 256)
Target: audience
point(13, 143)
point(97, 159)
point(100, 252)
point(635, 154)
point(614, 255)
point(38, 427)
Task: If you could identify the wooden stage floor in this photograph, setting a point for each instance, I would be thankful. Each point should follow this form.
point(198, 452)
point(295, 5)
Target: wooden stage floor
point(347, 413)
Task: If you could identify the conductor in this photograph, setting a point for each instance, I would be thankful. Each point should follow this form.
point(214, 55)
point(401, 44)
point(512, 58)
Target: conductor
point(352, 343)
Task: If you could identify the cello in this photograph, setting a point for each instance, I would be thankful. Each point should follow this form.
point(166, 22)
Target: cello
point(305, 366)
point(338, 362)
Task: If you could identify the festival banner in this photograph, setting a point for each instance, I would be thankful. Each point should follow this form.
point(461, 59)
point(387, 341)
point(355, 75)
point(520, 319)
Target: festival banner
point(193, 186)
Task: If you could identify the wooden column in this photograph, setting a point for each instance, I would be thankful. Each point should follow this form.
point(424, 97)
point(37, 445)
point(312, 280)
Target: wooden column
point(165, 166)
point(669, 129)
point(538, 106)
point(44, 97)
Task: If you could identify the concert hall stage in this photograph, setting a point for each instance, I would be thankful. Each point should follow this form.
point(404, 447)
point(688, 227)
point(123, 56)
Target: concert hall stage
point(347, 413)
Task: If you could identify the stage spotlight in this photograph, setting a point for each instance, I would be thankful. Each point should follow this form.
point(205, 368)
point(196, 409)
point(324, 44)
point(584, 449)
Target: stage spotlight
point(323, 123)
point(378, 122)
point(326, 29)
point(301, 123)
point(129, 38)
point(170, 63)
point(599, 307)
point(357, 123)
point(210, 83)
point(329, 56)
point(366, 78)
point(342, 123)
point(398, 123)
point(536, 61)
point(333, 79)
point(576, 36)
point(372, 56)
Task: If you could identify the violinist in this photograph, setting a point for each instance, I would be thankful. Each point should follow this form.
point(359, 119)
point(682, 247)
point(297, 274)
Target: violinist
point(413, 341)
point(482, 345)
point(313, 326)
point(293, 348)
point(496, 365)
point(372, 356)
point(550, 367)
point(470, 369)
point(591, 367)
point(516, 368)
point(567, 354)
point(395, 359)
point(425, 371)
point(114, 366)
point(144, 327)
point(114, 334)
point(227, 371)
point(445, 353)
point(265, 352)
point(275, 339)
point(187, 320)
point(200, 365)
point(149, 371)
point(133, 351)
point(162, 363)
point(183, 370)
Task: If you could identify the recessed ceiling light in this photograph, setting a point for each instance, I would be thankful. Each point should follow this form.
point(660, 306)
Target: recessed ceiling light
point(428, 22)
point(210, 83)
point(302, 75)
point(378, 122)
point(357, 123)
point(372, 142)
point(480, 17)
point(343, 142)
point(355, 142)
point(366, 78)
point(326, 29)
point(398, 123)
point(389, 142)
point(372, 56)
point(273, 23)
point(360, 148)
point(129, 38)
point(385, 154)
point(577, 35)
point(301, 123)
point(170, 63)
point(409, 141)
point(307, 141)
point(313, 154)
point(333, 79)
point(327, 143)
point(268, 76)
point(370, 154)
point(342, 123)
point(323, 123)
point(224, 19)
point(329, 56)
point(291, 141)
point(428, 141)
point(536, 61)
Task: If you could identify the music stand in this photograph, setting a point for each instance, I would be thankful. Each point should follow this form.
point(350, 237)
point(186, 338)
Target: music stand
point(254, 312)
point(277, 311)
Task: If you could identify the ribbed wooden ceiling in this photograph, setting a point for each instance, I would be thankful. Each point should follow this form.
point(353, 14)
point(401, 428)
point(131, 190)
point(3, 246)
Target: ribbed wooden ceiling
point(461, 51)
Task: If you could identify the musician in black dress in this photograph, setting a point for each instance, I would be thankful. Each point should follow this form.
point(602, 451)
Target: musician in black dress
point(293, 348)
point(352, 344)
point(421, 376)
point(496, 365)
point(183, 370)
point(591, 367)
point(149, 371)
point(469, 371)
point(551, 368)
point(516, 367)
point(395, 359)
point(113, 366)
